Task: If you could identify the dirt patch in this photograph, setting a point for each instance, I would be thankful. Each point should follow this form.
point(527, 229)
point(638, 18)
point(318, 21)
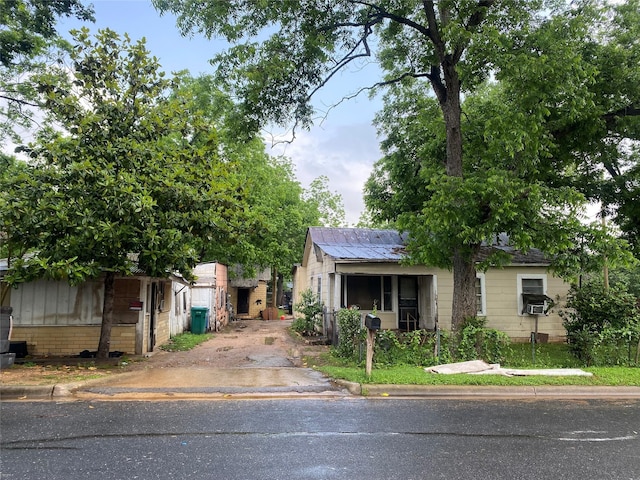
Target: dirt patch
point(245, 343)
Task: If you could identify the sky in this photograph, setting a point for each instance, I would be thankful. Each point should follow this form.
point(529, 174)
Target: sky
point(342, 145)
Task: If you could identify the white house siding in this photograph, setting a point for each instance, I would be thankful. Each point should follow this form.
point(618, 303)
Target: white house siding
point(181, 298)
point(51, 303)
point(504, 312)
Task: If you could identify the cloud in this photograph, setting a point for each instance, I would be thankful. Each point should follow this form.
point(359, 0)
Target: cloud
point(343, 153)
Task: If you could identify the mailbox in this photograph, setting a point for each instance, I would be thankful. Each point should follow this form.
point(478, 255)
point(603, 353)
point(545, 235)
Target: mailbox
point(371, 322)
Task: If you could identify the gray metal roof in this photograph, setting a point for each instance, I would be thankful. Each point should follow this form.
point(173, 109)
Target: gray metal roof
point(359, 244)
point(372, 245)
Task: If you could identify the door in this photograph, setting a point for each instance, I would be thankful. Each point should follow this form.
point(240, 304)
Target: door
point(408, 303)
point(243, 301)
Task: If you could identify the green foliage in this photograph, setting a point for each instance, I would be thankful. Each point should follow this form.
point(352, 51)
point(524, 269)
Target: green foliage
point(28, 41)
point(550, 90)
point(603, 326)
point(329, 205)
point(312, 309)
point(412, 375)
point(350, 333)
point(272, 228)
point(547, 355)
point(185, 341)
point(119, 175)
point(475, 341)
point(411, 348)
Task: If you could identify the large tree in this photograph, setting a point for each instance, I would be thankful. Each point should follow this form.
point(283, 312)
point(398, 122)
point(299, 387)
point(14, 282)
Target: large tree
point(127, 177)
point(284, 51)
point(329, 204)
point(271, 233)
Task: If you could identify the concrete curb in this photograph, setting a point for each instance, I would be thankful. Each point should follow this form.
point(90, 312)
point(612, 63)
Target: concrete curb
point(539, 392)
point(26, 392)
point(69, 391)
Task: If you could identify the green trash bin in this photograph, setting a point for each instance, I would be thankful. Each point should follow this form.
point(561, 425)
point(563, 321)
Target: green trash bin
point(199, 319)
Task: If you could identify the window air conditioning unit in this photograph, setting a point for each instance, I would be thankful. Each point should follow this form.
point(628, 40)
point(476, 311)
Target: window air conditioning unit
point(535, 309)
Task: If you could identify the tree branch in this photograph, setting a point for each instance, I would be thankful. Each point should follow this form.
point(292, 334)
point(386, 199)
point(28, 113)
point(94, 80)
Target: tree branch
point(474, 21)
point(626, 111)
point(381, 13)
point(392, 81)
point(18, 100)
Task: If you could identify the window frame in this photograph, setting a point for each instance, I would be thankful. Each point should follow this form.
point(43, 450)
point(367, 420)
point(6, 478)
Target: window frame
point(382, 293)
point(529, 276)
point(319, 288)
point(483, 295)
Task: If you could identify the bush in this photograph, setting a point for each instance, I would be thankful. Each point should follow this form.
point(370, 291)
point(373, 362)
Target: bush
point(603, 326)
point(418, 347)
point(350, 333)
point(312, 309)
point(475, 341)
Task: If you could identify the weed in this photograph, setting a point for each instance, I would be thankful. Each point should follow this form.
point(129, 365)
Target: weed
point(185, 341)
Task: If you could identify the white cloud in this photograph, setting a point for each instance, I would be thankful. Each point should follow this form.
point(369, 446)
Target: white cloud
point(343, 153)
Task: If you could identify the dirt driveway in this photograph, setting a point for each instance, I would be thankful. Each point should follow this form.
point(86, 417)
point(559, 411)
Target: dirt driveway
point(241, 344)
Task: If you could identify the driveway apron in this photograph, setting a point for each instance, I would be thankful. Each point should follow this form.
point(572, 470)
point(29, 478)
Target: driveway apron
point(248, 357)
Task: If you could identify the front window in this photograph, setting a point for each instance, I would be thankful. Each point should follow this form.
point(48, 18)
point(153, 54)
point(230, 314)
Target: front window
point(369, 292)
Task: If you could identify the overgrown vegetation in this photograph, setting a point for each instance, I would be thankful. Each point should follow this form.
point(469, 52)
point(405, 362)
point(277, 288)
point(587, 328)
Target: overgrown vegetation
point(185, 341)
point(420, 347)
point(351, 334)
point(311, 308)
point(400, 357)
point(603, 325)
point(476, 341)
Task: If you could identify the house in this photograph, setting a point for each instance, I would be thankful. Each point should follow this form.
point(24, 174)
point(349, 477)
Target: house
point(210, 290)
point(57, 319)
point(362, 267)
point(248, 294)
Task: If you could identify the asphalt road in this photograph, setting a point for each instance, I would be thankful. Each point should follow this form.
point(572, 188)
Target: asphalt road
point(347, 438)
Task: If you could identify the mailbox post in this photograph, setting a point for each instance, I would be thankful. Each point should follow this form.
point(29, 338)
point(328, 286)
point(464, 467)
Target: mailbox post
point(373, 324)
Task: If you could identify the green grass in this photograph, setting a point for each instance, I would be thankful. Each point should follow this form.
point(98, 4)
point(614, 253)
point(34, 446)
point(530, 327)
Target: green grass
point(520, 356)
point(185, 341)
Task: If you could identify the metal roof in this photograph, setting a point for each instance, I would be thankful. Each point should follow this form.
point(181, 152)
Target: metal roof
point(372, 245)
point(359, 243)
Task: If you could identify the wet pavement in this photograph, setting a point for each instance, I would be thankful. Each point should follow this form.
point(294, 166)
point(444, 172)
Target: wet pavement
point(247, 358)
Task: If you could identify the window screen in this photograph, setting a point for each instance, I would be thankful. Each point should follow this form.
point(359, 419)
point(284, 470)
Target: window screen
point(533, 286)
point(369, 291)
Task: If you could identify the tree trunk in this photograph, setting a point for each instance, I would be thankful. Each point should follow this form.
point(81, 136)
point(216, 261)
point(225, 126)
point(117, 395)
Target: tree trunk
point(280, 290)
point(464, 271)
point(107, 316)
point(464, 290)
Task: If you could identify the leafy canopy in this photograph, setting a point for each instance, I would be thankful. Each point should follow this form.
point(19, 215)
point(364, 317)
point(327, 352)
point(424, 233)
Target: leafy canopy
point(28, 42)
point(117, 180)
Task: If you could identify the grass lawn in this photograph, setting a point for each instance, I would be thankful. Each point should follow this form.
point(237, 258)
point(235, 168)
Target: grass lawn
point(520, 356)
point(185, 341)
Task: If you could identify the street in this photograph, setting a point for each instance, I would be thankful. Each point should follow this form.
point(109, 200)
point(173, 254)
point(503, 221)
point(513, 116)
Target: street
point(344, 438)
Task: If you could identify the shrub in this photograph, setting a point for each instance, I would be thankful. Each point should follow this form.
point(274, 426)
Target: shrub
point(350, 333)
point(312, 309)
point(418, 347)
point(603, 326)
point(475, 341)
